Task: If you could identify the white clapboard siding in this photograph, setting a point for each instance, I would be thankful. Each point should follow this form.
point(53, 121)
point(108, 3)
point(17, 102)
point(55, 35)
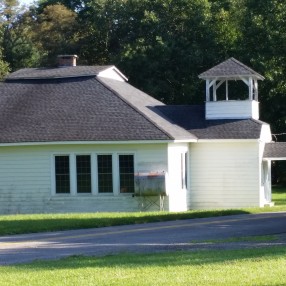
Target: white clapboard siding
point(224, 175)
point(26, 178)
point(265, 134)
point(232, 109)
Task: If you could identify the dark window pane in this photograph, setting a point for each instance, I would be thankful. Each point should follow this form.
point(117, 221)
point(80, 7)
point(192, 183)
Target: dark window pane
point(186, 170)
point(104, 169)
point(126, 172)
point(62, 169)
point(83, 171)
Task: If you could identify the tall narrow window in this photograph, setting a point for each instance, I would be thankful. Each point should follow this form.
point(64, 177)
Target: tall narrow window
point(83, 173)
point(126, 173)
point(104, 169)
point(62, 170)
point(184, 170)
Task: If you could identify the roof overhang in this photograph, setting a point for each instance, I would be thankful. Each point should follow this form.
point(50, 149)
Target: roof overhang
point(275, 151)
point(227, 140)
point(53, 143)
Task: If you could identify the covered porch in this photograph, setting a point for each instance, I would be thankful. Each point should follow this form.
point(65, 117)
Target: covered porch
point(274, 151)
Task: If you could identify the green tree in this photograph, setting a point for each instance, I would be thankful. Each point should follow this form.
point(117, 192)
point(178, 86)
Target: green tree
point(55, 32)
point(16, 42)
point(264, 46)
point(4, 67)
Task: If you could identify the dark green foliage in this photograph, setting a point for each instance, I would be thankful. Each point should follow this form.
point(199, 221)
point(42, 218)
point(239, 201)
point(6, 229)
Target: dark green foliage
point(161, 45)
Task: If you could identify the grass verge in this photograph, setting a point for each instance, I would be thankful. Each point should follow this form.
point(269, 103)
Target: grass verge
point(256, 238)
point(235, 267)
point(17, 224)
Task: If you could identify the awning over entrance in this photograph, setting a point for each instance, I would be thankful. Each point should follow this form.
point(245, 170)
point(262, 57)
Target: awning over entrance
point(275, 151)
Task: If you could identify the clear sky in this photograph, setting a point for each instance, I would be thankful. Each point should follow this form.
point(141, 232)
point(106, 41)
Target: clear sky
point(26, 2)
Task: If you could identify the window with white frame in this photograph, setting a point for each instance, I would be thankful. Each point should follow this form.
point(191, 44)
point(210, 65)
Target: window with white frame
point(93, 173)
point(104, 173)
point(126, 173)
point(62, 174)
point(83, 173)
point(184, 170)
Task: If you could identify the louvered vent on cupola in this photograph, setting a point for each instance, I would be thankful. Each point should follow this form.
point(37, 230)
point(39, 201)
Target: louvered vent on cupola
point(219, 77)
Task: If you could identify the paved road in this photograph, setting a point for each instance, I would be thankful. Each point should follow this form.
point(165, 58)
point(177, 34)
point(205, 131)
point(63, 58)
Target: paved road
point(152, 237)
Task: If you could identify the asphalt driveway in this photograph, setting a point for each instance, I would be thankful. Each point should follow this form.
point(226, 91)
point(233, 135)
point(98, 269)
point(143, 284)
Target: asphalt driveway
point(190, 234)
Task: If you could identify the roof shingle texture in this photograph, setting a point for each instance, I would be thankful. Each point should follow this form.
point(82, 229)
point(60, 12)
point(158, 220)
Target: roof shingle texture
point(70, 109)
point(275, 150)
point(62, 72)
point(192, 118)
point(230, 68)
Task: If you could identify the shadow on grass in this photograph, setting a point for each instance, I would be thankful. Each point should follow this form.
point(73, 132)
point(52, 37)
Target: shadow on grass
point(128, 261)
point(57, 223)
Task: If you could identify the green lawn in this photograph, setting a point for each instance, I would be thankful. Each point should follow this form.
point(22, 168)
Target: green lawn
point(243, 267)
point(279, 195)
point(228, 267)
point(16, 224)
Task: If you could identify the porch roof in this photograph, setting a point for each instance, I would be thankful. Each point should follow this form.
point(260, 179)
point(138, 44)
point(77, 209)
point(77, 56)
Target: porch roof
point(275, 151)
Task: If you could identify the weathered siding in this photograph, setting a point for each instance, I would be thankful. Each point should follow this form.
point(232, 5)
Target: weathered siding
point(26, 178)
point(224, 175)
point(232, 109)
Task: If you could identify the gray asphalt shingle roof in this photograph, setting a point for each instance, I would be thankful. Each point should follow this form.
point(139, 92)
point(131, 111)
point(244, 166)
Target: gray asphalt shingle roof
point(146, 104)
point(275, 150)
point(61, 72)
point(70, 109)
point(192, 118)
point(229, 69)
point(75, 104)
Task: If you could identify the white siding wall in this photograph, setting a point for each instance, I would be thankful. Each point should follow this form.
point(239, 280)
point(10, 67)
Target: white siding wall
point(265, 135)
point(224, 175)
point(232, 109)
point(177, 195)
point(111, 73)
point(26, 179)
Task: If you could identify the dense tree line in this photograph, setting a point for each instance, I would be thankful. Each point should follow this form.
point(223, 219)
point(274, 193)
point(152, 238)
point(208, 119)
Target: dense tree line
point(161, 45)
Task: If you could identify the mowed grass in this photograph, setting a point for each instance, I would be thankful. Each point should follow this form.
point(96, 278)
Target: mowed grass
point(17, 224)
point(279, 195)
point(235, 267)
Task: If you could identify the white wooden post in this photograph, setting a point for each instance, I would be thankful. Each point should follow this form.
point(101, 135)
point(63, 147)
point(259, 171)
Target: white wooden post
point(214, 91)
point(208, 90)
point(250, 89)
point(256, 89)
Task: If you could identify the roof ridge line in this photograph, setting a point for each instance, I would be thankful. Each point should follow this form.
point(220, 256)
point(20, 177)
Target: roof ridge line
point(244, 66)
point(134, 107)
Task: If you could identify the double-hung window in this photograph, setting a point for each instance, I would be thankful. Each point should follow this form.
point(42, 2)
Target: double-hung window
point(93, 173)
point(83, 173)
point(126, 173)
point(104, 173)
point(62, 174)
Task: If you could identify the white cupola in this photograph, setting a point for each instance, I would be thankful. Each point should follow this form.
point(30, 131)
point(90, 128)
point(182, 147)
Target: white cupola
point(219, 77)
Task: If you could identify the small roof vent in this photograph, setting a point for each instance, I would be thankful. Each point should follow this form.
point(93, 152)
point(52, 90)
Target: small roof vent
point(67, 60)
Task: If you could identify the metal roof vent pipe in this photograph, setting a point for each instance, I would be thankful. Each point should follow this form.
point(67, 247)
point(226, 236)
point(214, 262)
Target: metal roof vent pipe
point(67, 60)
